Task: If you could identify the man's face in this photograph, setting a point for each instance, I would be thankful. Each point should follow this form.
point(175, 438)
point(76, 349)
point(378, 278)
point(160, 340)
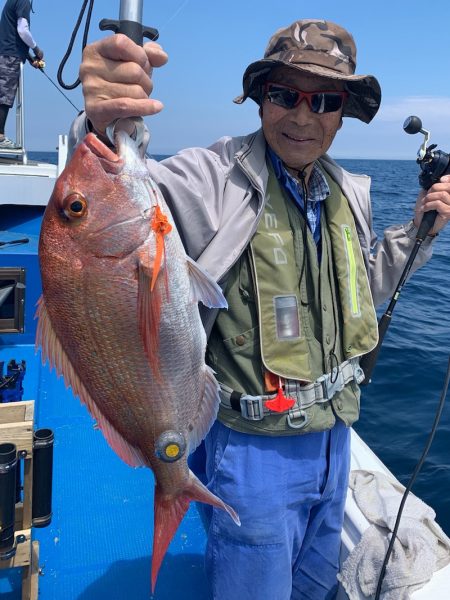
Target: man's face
point(298, 135)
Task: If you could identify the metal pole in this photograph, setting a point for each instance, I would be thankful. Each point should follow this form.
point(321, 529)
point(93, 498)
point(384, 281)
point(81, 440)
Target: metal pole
point(131, 10)
point(21, 98)
point(20, 119)
point(18, 109)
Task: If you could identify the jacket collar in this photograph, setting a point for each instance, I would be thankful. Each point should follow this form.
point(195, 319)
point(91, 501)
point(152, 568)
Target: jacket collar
point(251, 157)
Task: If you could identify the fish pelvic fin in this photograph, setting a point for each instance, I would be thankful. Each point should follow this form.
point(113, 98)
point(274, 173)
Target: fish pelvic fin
point(170, 510)
point(53, 352)
point(203, 287)
point(207, 409)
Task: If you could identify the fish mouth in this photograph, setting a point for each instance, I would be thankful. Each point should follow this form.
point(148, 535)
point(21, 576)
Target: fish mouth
point(110, 161)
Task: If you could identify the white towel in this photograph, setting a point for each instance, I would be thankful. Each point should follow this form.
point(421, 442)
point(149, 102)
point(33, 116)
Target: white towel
point(420, 549)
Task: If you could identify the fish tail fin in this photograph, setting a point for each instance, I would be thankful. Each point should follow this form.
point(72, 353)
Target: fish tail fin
point(170, 510)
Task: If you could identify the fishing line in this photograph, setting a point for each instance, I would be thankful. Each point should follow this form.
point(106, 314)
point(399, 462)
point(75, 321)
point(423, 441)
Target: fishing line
point(60, 90)
point(412, 480)
point(176, 13)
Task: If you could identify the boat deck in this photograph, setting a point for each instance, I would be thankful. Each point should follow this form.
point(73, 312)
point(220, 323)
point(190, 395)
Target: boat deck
point(99, 542)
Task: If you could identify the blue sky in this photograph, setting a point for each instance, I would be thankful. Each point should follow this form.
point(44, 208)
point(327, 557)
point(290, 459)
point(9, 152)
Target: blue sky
point(404, 44)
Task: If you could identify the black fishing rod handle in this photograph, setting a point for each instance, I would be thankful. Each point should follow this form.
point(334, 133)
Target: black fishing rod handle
point(426, 224)
point(132, 29)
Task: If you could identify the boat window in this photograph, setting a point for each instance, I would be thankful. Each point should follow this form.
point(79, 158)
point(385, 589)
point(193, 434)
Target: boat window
point(12, 299)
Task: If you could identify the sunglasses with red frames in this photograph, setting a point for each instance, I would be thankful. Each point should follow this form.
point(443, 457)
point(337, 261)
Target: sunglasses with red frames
point(288, 97)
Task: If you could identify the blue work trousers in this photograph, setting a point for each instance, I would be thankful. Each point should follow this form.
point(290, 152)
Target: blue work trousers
point(289, 492)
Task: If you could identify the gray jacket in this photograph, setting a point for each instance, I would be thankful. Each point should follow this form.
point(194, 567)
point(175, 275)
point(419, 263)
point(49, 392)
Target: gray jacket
point(217, 196)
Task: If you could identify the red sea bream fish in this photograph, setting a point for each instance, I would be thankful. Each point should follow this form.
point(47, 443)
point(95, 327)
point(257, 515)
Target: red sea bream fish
point(119, 319)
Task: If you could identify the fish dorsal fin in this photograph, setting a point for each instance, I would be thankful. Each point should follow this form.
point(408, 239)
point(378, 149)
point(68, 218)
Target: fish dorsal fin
point(207, 411)
point(53, 352)
point(203, 287)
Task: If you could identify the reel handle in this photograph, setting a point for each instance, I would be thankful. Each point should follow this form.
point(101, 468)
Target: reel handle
point(412, 125)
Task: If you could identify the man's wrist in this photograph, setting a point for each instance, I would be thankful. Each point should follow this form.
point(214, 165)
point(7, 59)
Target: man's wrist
point(411, 230)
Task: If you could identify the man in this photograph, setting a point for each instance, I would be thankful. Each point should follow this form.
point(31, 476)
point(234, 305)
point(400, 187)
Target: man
point(287, 233)
point(15, 42)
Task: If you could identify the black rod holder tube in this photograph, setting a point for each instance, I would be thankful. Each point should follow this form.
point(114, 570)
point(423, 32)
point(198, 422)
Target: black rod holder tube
point(8, 465)
point(18, 481)
point(42, 477)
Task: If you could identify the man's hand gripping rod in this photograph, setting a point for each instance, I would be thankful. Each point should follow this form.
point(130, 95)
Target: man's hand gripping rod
point(130, 24)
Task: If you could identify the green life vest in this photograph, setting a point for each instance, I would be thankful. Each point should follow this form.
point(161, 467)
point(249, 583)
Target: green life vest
point(284, 326)
point(292, 325)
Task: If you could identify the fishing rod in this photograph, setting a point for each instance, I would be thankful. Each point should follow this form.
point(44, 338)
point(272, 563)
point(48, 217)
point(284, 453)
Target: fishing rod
point(41, 69)
point(433, 164)
point(40, 65)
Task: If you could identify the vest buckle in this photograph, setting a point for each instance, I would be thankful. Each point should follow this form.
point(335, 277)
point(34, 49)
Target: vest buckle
point(252, 408)
point(331, 383)
point(297, 418)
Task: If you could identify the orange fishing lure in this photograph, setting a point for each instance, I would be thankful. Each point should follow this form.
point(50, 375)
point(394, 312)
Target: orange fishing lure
point(161, 226)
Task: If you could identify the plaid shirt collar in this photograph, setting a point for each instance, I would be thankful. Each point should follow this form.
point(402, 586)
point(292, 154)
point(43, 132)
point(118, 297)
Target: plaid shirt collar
point(318, 188)
point(318, 191)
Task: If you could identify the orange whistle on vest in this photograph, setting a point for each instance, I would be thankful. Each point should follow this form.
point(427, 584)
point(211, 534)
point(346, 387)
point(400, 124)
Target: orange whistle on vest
point(280, 403)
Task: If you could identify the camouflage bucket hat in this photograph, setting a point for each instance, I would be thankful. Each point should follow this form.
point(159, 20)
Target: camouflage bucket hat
point(321, 48)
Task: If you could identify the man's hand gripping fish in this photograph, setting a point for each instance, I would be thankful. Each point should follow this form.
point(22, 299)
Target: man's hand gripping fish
point(119, 319)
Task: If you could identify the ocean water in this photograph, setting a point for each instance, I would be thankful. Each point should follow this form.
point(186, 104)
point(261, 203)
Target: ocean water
point(398, 407)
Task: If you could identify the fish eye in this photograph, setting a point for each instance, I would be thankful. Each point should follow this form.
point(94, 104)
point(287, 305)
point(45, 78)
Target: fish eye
point(75, 206)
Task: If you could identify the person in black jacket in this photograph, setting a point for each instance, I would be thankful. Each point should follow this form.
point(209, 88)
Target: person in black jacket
point(15, 42)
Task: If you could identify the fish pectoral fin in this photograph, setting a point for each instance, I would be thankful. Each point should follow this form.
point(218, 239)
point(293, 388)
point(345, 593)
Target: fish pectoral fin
point(145, 266)
point(53, 352)
point(129, 454)
point(149, 315)
point(203, 287)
